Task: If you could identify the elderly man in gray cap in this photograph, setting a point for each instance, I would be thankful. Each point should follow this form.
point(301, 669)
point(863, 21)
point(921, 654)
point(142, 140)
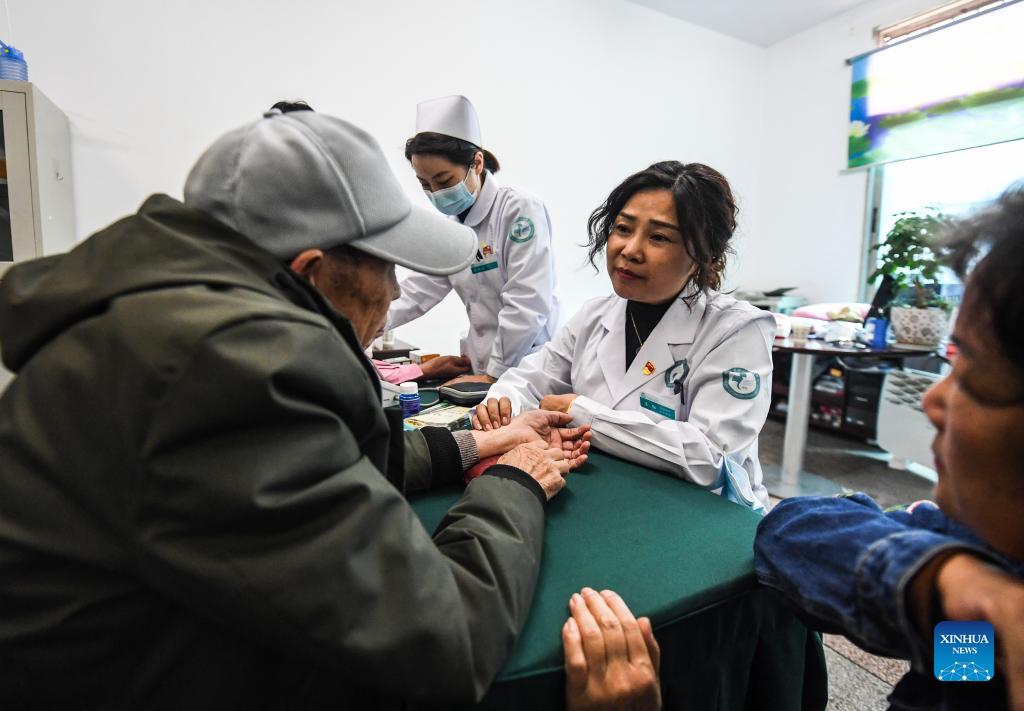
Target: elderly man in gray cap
point(201, 498)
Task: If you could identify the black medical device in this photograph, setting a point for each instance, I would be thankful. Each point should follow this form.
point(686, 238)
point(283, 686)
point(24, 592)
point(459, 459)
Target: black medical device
point(465, 394)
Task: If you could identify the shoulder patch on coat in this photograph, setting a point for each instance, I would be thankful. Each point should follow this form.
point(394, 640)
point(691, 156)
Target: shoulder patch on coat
point(522, 230)
point(741, 383)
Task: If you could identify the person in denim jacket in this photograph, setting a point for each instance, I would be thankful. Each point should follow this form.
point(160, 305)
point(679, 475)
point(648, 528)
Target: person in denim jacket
point(884, 579)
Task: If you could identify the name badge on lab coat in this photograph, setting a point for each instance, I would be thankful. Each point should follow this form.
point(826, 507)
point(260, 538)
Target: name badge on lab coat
point(648, 402)
point(485, 267)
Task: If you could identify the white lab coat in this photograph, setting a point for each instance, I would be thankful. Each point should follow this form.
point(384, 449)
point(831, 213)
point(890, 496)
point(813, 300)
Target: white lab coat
point(704, 430)
point(509, 291)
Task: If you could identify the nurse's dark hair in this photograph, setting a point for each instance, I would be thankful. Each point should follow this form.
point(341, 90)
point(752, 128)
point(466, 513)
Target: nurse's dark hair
point(705, 211)
point(286, 107)
point(987, 249)
point(455, 150)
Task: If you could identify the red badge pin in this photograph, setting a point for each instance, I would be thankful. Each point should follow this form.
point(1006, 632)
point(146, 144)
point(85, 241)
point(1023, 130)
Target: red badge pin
point(649, 368)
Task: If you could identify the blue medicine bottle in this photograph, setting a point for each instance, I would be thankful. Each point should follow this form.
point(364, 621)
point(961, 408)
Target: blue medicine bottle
point(409, 398)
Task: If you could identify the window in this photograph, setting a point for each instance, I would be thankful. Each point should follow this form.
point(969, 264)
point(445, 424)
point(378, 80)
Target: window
point(932, 20)
point(955, 183)
point(952, 88)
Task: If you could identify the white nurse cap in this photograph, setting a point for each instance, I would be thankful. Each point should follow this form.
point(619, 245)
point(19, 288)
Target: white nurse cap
point(451, 116)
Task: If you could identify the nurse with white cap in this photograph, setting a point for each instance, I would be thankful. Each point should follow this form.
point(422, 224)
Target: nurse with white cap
point(509, 289)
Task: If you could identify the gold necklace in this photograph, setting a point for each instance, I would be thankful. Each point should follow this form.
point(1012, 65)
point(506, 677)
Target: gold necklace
point(637, 332)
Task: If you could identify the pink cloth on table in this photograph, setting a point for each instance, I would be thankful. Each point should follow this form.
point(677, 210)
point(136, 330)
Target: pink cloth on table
point(822, 311)
point(398, 374)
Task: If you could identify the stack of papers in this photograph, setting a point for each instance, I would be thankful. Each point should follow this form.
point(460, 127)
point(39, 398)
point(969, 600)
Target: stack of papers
point(452, 417)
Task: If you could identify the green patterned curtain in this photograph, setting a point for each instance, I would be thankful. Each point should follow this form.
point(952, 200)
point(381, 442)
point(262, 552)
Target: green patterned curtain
point(957, 87)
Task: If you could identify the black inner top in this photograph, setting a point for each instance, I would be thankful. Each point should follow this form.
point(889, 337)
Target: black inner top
point(644, 317)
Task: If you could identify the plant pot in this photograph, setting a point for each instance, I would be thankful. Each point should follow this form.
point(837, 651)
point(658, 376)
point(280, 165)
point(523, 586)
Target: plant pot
point(920, 327)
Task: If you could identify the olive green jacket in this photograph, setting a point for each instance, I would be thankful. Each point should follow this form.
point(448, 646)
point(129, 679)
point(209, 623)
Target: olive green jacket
point(194, 511)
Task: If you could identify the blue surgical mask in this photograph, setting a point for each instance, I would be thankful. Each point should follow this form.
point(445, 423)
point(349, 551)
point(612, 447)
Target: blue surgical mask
point(454, 200)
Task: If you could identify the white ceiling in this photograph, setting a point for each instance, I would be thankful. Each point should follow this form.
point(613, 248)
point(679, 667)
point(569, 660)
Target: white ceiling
point(760, 22)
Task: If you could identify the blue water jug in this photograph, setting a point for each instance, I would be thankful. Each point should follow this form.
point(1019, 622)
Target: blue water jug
point(12, 63)
point(877, 332)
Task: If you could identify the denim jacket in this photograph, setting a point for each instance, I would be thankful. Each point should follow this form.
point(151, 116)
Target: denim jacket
point(846, 565)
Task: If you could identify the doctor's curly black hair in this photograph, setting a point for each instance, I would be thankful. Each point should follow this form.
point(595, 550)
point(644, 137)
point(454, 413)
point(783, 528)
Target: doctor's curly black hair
point(705, 209)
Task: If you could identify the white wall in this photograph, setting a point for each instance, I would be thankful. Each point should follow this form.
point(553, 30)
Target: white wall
point(811, 221)
point(573, 95)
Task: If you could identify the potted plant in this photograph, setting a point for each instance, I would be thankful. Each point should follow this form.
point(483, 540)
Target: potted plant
point(908, 257)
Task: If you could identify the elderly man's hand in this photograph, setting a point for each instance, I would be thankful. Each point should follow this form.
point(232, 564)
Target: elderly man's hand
point(538, 428)
point(971, 589)
point(550, 428)
point(611, 658)
point(547, 466)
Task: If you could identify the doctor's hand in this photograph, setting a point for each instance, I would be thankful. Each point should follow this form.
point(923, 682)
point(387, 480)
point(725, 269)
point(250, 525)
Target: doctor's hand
point(547, 466)
point(492, 414)
point(445, 367)
point(611, 658)
point(558, 403)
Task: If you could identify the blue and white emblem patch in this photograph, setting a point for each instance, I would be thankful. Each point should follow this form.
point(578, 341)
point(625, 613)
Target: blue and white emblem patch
point(675, 375)
point(522, 230)
point(741, 383)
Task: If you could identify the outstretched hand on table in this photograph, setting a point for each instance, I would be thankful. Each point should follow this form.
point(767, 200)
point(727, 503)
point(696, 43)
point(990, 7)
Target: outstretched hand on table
point(611, 658)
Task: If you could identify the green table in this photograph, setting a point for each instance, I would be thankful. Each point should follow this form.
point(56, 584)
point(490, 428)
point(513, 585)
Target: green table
point(679, 555)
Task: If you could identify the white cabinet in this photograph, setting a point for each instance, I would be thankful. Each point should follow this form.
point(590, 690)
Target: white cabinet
point(37, 212)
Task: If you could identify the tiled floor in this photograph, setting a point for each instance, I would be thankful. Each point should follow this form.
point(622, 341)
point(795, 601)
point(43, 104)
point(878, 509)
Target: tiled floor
point(850, 688)
point(858, 681)
point(885, 669)
point(850, 463)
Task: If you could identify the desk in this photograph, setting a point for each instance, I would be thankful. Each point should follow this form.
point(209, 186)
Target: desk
point(683, 557)
point(399, 349)
point(790, 479)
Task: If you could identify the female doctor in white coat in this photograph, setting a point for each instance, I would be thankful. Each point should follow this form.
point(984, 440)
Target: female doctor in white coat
point(509, 291)
point(669, 373)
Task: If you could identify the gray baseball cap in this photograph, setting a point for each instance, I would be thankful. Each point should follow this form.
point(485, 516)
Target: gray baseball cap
point(303, 180)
